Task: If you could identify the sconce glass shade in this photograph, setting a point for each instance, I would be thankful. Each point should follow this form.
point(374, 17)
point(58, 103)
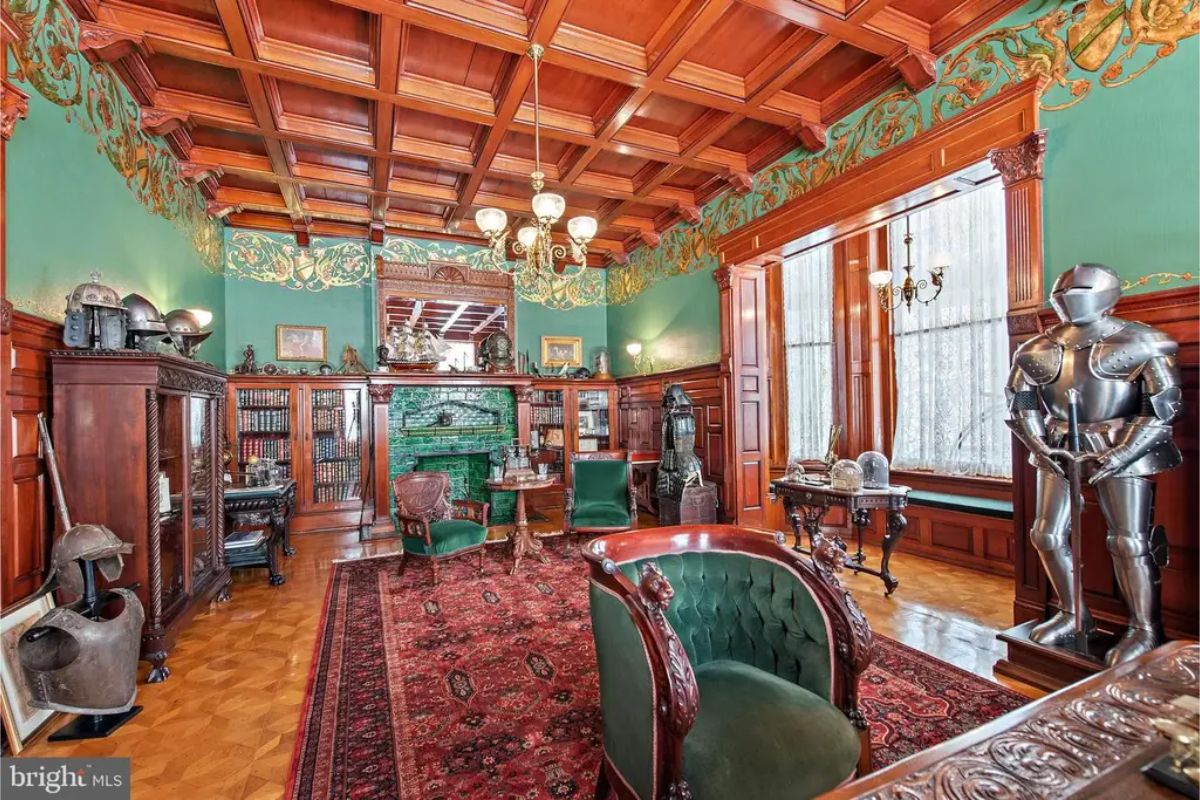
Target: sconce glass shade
point(202, 315)
point(491, 220)
point(548, 206)
point(634, 349)
point(880, 277)
point(527, 236)
point(582, 228)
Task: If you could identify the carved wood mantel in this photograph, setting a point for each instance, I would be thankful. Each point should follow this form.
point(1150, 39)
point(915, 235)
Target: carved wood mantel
point(441, 280)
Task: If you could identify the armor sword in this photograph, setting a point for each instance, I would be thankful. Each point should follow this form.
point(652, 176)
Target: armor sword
point(1073, 467)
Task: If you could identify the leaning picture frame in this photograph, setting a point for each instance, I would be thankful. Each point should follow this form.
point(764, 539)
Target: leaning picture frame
point(562, 351)
point(301, 343)
point(22, 722)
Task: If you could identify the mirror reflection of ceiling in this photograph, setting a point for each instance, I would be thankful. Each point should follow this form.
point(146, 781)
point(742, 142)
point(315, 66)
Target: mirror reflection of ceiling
point(450, 319)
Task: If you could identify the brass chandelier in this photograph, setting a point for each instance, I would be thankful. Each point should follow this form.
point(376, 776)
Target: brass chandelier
point(535, 242)
point(892, 297)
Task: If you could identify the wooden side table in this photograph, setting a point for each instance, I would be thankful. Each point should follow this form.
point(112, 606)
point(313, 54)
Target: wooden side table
point(267, 507)
point(524, 543)
point(807, 503)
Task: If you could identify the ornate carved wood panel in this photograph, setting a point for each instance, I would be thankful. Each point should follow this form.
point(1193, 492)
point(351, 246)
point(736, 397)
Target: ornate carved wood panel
point(26, 511)
point(441, 280)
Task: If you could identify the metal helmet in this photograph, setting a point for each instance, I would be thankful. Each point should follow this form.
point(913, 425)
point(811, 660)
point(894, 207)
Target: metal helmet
point(94, 543)
point(184, 330)
point(143, 316)
point(1085, 293)
point(93, 293)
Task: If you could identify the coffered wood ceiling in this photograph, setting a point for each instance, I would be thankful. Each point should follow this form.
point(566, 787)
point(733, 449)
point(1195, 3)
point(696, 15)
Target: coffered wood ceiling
point(356, 117)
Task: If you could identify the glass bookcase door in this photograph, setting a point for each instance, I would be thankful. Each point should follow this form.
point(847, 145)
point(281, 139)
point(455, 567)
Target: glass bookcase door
point(199, 459)
point(593, 420)
point(336, 426)
point(264, 427)
point(548, 431)
point(172, 513)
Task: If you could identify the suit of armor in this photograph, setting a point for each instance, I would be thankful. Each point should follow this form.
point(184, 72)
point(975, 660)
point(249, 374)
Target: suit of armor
point(1129, 393)
point(678, 462)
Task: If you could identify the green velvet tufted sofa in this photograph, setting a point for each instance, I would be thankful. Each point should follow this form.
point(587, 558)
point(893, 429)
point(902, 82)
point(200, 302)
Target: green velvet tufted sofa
point(728, 666)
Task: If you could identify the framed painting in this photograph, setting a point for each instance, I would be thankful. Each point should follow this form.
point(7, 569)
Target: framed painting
point(21, 720)
point(301, 343)
point(562, 351)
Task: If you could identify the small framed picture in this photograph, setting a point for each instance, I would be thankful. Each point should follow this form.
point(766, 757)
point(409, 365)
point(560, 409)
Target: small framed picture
point(300, 343)
point(22, 721)
point(562, 351)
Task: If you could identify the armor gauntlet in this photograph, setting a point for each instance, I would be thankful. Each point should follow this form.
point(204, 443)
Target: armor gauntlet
point(1025, 419)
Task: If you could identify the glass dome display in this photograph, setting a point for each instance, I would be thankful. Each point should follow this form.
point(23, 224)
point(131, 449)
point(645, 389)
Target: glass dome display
point(846, 475)
point(874, 470)
point(795, 470)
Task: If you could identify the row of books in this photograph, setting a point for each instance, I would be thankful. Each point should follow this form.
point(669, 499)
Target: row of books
point(328, 419)
point(262, 397)
point(334, 494)
point(278, 449)
point(330, 447)
point(327, 398)
point(263, 420)
point(547, 415)
point(547, 396)
point(335, 471)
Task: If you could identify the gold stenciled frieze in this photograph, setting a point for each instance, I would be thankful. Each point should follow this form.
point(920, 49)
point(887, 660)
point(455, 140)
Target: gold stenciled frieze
point(1073, 46)
point(48, 58)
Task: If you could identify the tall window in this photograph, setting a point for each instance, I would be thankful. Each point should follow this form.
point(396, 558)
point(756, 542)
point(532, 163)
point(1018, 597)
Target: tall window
point(808, 344)
point(952, 355)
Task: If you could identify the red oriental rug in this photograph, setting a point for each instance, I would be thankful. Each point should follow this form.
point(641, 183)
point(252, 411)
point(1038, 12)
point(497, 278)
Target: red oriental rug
point(486, 687)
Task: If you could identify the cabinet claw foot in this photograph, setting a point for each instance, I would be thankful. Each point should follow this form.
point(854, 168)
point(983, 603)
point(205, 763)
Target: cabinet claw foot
point(224, 596)
point(288, 550)
point(276, 580)
point(159, 674)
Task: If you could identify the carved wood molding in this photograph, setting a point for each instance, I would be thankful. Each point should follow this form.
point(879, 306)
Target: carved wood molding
point(221, 210)
point(193, 172)
point(918, 68)
point(1021, 161)
point(161, 121)
point(6, 316)
point(13, 106)
point(810, 134)
point(102, 43)
point(380, 393)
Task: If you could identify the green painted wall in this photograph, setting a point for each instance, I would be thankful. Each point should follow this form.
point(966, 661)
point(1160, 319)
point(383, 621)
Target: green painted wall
point(676, 320)
point(535, 321)
point(68, 212)
point(1122, 168)
point(253, 309)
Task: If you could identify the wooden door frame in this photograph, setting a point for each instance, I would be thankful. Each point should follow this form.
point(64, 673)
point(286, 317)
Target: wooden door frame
point(1005, 131)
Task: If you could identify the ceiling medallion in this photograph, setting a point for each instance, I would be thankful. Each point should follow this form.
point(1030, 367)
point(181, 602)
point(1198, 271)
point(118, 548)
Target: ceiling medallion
point(910, 289)
point(535, 242)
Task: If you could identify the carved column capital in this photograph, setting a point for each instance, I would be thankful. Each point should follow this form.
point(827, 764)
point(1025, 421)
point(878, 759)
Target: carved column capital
point(1021, 161)
point(6, 316)
point(14, 105)
point(381, 393)
point(723, 276)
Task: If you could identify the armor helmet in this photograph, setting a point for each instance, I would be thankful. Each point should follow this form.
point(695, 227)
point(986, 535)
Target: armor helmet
point(93, 293)
point(675, 397)
point(184, 330)
point(142, 315)
point(1085, 293)
point(90, 543)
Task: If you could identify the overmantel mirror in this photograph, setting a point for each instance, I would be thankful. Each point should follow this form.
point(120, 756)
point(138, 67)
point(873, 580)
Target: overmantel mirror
point(459, 305)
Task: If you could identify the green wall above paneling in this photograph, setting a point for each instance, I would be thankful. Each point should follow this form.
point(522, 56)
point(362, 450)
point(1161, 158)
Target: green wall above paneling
point(677, 322)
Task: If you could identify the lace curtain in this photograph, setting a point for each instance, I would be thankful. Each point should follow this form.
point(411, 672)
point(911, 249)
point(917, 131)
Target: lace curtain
point(952, 355)
point(808, 345)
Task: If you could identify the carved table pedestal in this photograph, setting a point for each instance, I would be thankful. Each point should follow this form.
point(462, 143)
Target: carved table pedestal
point(524, 543)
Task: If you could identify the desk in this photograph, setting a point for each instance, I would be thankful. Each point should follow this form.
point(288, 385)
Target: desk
point(807, 503)
point(1087, 740)
point(261, 507)
point(524, 543)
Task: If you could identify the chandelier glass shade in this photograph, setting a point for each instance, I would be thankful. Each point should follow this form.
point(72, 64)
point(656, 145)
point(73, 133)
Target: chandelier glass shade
point(892, 297)
point(534, 243)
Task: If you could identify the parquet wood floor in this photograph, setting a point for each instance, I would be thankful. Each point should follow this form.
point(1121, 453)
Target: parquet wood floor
point(223, 725)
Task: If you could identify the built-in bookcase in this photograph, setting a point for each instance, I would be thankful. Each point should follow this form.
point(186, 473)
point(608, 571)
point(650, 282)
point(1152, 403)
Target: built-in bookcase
point(314, 427)
point(568, 417)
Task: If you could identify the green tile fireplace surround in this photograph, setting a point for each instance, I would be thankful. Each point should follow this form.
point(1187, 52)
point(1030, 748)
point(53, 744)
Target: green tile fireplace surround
point(481, 420)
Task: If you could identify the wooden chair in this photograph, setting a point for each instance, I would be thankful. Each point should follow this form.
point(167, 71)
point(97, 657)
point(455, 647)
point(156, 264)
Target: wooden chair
point(728, 665)
point(601, 498)
point(433, 526)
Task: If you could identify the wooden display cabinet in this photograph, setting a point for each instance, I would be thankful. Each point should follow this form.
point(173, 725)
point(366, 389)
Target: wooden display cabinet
point(315, 426)
point(569, 417)
point(122, 419)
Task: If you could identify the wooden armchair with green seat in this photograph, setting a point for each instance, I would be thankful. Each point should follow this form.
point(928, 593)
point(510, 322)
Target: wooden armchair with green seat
point(431, 525)
point(728, 664)
point(601, 498)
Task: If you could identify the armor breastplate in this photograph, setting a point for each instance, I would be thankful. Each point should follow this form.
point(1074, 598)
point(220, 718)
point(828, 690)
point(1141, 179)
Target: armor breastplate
point(1101, 398)
point(84, 666)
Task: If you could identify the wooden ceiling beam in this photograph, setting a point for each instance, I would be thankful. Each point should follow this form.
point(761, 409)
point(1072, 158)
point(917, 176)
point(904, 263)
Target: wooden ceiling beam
point(546, 19)
point(828, 21)
point(387, 59)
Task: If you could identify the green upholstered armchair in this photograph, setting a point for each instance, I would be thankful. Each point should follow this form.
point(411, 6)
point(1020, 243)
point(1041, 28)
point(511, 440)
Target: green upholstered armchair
point(431, 525)
point(728, 665)
point(601, 498)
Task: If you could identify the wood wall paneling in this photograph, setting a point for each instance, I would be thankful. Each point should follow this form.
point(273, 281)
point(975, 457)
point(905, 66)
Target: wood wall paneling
point(27, 523)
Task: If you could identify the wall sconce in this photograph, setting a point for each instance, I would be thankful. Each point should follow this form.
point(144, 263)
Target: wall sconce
point(202, 315)
point(634, 349)
point(642, 362)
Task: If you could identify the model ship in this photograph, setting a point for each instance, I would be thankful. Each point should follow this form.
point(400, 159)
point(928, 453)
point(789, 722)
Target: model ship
point(411, 349)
